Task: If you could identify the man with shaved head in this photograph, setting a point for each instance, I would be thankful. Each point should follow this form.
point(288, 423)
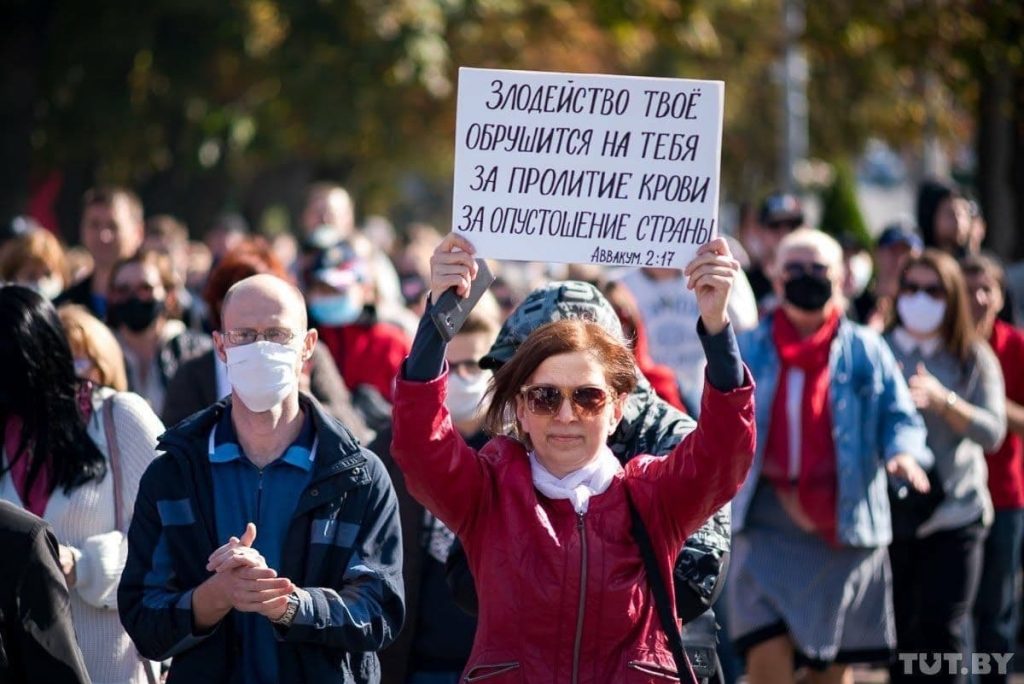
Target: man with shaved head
point(266, 544)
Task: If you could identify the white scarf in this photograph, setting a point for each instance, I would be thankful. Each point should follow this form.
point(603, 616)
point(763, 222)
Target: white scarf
point(579, 485)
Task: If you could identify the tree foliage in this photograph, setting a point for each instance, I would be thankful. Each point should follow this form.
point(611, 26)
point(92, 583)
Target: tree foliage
point(193, 99)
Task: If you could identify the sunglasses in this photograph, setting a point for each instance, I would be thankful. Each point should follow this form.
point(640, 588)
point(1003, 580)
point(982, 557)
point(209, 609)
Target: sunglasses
point(546, 400)
point(933, 291)
point(783, 225)
point(794, 269)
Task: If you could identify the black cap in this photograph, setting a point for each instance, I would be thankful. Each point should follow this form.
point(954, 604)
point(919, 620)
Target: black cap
point(781, 207)
point(900, 232)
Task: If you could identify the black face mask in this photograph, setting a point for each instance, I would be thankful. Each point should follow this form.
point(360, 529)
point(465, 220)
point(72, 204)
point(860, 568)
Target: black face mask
point(134, 313)
point(808, 292)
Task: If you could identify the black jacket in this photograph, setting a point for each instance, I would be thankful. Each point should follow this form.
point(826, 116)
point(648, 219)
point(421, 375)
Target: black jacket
point(346, 524)
point(37, 639)
point(79, 293)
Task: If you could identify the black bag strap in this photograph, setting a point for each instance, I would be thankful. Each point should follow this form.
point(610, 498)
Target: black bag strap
point(662, 600)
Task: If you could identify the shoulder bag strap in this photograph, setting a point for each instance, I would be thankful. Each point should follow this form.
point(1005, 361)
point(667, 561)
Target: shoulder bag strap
point(114, 451)
point(662, 600)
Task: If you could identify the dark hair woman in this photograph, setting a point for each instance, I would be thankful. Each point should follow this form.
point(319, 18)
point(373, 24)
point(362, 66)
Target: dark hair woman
point(956, 382)
point(65, 463)
point(543, 509)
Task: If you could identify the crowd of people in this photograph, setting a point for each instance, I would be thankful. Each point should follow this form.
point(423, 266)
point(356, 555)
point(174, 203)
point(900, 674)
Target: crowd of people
point(245, 459)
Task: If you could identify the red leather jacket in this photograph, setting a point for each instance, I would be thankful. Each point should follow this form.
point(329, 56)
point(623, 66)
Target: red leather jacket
point(564, 597)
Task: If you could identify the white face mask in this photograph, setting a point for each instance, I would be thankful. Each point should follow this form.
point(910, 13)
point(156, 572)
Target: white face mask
point(464, 396)
point(263, 373)
point(50, 286)
point(921, 313)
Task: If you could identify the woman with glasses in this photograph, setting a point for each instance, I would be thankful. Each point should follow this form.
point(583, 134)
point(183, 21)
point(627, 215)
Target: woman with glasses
point(809, 581)
point(956, 383)
point(73, 454)
point(543, 509)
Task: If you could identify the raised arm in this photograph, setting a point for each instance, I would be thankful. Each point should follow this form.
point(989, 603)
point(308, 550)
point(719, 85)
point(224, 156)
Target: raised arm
point(708, 466)
point(441, 471)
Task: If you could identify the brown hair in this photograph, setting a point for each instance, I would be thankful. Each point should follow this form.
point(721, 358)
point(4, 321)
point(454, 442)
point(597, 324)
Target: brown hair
point(88, 336)
point(252, 257)
point(957, 328)
point(978, 264)
point(560, 337)
point(168, 228)
point(162, 263)
point(107, 195)
point(36, 245)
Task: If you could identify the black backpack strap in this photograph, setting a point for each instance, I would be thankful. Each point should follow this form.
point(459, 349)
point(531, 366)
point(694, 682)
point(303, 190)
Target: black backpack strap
point(662, 600)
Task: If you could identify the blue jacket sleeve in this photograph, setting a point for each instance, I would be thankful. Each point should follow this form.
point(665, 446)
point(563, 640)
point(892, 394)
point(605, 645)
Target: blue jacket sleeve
point(365, 613)
point(155, 609)
point(426, 356)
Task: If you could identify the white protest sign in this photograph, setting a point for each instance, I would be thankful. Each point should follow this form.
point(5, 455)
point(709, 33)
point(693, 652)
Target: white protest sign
point(584, 168)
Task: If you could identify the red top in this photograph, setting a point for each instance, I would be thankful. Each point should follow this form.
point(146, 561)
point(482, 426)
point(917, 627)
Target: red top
point(367, 354)
point(808, 486)
point(1006, 465)
point(34, 500)
point(567, 593)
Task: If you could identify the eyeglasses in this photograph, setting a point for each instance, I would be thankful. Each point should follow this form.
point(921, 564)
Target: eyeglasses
point(242, 336)
point(783, 225)
point(793, 269)
point(933, 291)
point(546, 400)
point(468, 368)
point(140, 290)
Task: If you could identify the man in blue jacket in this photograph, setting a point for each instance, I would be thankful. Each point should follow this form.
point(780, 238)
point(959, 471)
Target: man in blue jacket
point(265, 544)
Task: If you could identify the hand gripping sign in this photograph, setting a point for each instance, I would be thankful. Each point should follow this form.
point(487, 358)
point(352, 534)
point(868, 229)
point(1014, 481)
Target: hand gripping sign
point(585, 168)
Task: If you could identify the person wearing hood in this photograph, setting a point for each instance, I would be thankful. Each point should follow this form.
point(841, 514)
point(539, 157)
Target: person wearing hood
point(436, 643)
point(957, 385)
point(141, 307)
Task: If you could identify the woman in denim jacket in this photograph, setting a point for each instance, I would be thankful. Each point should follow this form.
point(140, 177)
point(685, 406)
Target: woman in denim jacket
point(810, 574)
point(956, 382)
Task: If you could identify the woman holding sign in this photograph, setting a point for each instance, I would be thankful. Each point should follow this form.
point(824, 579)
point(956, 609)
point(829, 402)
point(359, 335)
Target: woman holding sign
point(544, 508)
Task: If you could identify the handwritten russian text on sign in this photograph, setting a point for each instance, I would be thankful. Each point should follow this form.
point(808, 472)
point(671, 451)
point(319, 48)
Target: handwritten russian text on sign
point(585, 168)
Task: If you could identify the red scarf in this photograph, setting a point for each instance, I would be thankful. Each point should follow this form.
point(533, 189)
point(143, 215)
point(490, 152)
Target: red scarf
point(812, 499)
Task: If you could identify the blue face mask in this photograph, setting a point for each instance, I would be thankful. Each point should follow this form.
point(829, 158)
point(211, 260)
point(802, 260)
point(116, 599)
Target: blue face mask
point(334, 310)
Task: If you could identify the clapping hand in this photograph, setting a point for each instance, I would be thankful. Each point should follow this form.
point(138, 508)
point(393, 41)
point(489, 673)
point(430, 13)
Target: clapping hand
point(245, 580)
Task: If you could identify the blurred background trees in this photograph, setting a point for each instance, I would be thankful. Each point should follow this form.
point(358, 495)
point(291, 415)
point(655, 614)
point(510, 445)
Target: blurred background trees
point(205, 106)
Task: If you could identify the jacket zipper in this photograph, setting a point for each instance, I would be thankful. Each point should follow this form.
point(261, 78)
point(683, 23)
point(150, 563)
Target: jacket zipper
point(583, 599)
point(259, 495)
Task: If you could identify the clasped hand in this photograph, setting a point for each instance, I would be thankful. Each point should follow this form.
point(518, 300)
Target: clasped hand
point(244, 581)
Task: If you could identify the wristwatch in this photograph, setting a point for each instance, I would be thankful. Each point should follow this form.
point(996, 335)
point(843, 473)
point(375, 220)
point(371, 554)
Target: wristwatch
point(288, 616)
point(951, 400)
